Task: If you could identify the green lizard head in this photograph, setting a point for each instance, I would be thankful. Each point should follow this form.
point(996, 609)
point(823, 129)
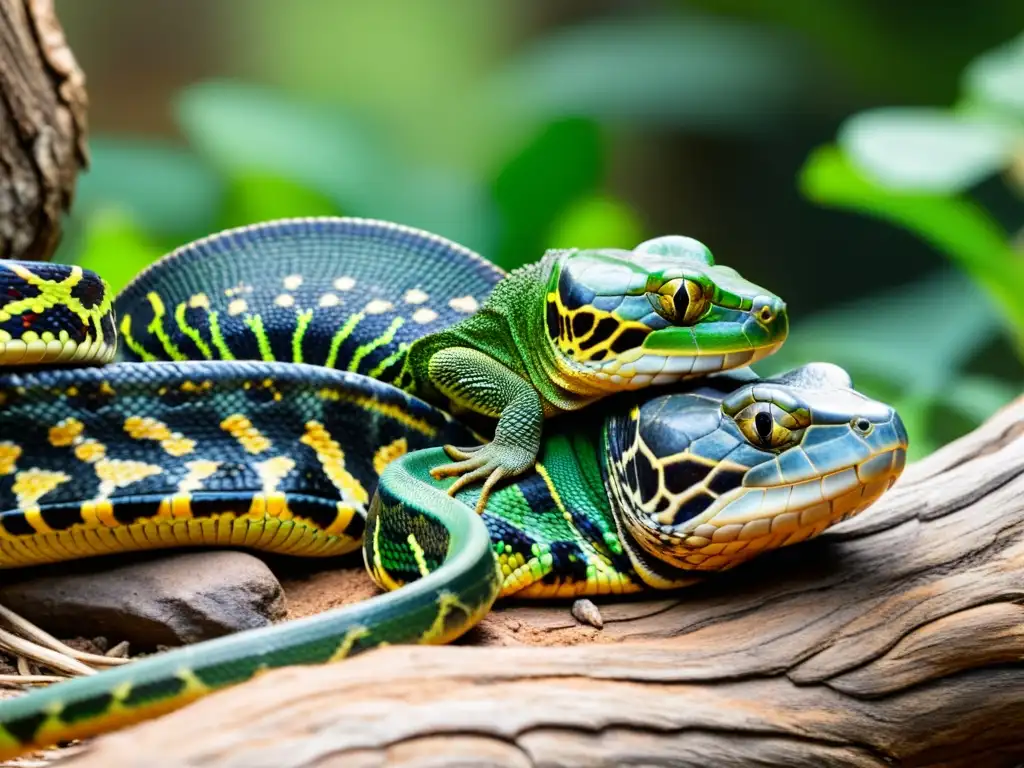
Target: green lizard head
point(659, 313)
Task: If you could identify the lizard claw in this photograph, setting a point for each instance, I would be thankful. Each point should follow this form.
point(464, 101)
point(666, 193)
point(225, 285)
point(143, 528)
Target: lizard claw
point(491, 463)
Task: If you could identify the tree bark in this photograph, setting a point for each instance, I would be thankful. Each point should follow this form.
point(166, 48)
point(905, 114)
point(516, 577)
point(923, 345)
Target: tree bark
point(896, 638)
point(42, 128)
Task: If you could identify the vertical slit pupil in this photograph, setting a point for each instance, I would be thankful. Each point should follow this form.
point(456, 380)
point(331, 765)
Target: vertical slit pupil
point(763, 425)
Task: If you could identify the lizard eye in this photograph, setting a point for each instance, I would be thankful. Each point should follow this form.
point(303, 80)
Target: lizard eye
point(680, 301)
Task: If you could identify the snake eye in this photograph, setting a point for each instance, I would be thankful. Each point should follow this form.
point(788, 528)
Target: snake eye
point(680, 301)
point(767, 427)
point(861, 425)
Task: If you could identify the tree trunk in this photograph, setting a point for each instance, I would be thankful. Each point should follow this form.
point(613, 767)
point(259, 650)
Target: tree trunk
point(894, 639)
point(42, 128)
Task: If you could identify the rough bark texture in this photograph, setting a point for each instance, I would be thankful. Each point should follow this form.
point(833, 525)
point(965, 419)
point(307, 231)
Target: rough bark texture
point(42, 128)
point(895, 639)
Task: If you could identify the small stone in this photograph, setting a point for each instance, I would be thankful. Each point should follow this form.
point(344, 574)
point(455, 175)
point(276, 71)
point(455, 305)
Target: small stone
point(173, 600)
point(585, 612)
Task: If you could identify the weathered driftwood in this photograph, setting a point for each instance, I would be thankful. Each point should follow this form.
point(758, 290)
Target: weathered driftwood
point(42, 128)
point(895, 639)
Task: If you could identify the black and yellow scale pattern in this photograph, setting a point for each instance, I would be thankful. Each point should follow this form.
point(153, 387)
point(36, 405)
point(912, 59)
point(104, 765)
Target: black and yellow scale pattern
point(245, 417)
point(250, 424)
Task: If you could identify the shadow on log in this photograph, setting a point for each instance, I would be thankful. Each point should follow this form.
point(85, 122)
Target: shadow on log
point(894, 639)
point(42, 128)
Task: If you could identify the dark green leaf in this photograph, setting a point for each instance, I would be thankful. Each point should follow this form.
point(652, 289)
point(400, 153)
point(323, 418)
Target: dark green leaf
point(955, 226)
point(561, 165)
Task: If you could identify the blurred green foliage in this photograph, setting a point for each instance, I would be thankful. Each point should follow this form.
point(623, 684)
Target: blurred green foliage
point(514, 127)
point(916, 168)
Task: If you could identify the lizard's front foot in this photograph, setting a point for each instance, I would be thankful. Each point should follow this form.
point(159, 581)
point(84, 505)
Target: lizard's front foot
point(491, 463)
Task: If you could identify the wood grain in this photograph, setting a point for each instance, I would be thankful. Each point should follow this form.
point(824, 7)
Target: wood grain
point(894, 639)
point(42, 128)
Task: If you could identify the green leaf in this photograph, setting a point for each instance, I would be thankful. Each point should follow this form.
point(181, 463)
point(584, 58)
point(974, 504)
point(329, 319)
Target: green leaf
point(955, 226)
point(165, 189)
point(692, 71)
point(597, 221)
point(116, 247)
point(925, 150)
point(254, 197)
point(560, 165)
point(246, 129)
point(997, 77)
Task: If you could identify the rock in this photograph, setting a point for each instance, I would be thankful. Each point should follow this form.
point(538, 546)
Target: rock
point(169, 600)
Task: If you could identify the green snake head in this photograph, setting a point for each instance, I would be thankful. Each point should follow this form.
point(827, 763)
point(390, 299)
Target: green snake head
point(52, 313)
point(704, 482)
point(657, 314)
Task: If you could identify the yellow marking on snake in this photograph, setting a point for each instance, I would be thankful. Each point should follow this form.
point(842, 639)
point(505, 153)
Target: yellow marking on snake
point(436, 633)
point(250, 438)
point(9, 455)
point(147, 428)
point(199, 301)
point(218, 337)
point(188, 330)
point(332, 459)
point(119, 473)
point(30, 485)
point(388, 453)
point(302, 321)
point(384, 409)
point(137, 349)
point(273, 471)
point(380, 574)
point(352, 635)
point(339, 338)
point(255, 324)
point(384, 338)
point(418, 555)
point(65, 432)
point(198, 471)
point(156, 327)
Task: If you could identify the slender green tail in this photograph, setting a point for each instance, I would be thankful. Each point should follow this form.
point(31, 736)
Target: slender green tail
point(459, 583)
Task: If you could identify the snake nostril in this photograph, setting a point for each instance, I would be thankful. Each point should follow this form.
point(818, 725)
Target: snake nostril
point(862, 425)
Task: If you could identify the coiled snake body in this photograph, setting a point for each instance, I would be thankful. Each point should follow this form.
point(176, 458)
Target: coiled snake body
point(271, 399)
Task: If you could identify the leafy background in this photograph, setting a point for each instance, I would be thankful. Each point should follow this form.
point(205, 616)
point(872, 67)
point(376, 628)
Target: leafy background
point(862, 158)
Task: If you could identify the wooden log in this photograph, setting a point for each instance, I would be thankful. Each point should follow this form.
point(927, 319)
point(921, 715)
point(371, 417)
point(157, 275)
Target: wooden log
point(42, 128)
point(895, 639)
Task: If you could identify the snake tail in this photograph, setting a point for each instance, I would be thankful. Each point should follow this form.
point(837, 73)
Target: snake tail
point(434, 609)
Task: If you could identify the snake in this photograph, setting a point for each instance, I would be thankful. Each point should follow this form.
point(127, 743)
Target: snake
point(286, 387)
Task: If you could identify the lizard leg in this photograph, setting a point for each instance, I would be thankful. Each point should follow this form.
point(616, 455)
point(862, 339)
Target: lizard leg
point(473, 380)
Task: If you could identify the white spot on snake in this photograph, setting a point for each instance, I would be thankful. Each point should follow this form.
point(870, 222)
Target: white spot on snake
point(345, 283)
point(199, 301)
point(415, 296)
point(466, 304)
point(237, 307)
point(378, 307)
point(292, 282)
point(424, 315)
point(284, 300)
point(329, 300)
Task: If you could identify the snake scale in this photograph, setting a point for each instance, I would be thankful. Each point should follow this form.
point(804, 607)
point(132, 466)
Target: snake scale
point(308, 386)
